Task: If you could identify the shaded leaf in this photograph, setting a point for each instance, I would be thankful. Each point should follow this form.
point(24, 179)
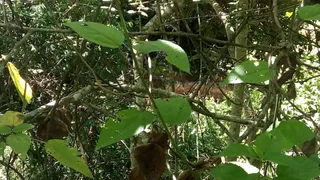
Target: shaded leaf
point(175, 54)
point(174, 110)
point(23, 88)
point(257, 176)
point(247, 167)
point(132, 122)
point(270, 142)
point(20, 144)
point(235, 150)
point(100, 34)
point(303, 169)
point(229, 172)
point(4, 130)
point(22, 127)
point(67, 156)
point(295, 131)
point(279, 158)
point(309, 12)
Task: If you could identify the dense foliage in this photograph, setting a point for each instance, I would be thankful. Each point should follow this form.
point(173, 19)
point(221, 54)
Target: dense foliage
point(157, 89)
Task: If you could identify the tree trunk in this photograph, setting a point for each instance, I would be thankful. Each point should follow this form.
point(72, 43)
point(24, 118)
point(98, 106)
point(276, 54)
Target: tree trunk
point(240, 55)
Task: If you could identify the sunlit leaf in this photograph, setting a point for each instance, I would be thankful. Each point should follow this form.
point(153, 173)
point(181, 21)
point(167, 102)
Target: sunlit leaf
point(11, 118)
point(288, 14)
point(100, 34)
point(132, 122)
point(249, 72)
point(20, 144)
point(67, 156)
point(174, 110)
point(175, 54)
point(21, 85)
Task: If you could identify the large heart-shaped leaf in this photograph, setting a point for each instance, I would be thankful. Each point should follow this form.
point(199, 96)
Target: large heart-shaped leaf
point(295, 131)
point(67, 156)
point(132, 122)
point(175, 54)
point(303, 169)
point(310, 12)
point(101, 34)
point(229, 172)
point(249, 72)
point(23, 88)
point(279, 158)
point(20, 144)
point(270, 143)
point(235, 150)
point(174, 110)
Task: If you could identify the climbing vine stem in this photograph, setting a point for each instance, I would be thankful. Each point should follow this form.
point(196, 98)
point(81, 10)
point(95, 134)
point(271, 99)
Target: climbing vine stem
point(144, 84)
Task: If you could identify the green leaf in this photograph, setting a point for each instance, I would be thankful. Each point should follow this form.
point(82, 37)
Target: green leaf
point(23, 88)
point(11, 118)
point(100, 34)
point(270, 143)
point(132, 122)
point(174, 110)
point(257, 176)
point(310, 12)
point(235, 150)
point(246, 166)
point(175, 54)
point(20, 144)
point(279, 158)
point(5, 130)
point(67, 156)
point(2, 148)
point(22, 127)
point(286, 144)
point(303, 168)
point(249, 72)
point(229, 172)
point(295, 131)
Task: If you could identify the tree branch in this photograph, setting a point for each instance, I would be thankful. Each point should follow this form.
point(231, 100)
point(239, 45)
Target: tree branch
point(75, 97)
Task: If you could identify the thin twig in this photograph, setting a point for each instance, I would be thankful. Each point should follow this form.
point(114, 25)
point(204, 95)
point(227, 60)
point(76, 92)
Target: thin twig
point(14, 169)
point(8, 57)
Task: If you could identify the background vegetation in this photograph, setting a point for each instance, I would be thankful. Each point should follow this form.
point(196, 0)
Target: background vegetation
point(89, 85)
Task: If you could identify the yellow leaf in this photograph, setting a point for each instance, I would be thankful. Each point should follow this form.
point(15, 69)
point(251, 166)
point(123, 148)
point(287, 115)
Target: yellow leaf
point(288, 14)
point(11, 118)
point(22, 86)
